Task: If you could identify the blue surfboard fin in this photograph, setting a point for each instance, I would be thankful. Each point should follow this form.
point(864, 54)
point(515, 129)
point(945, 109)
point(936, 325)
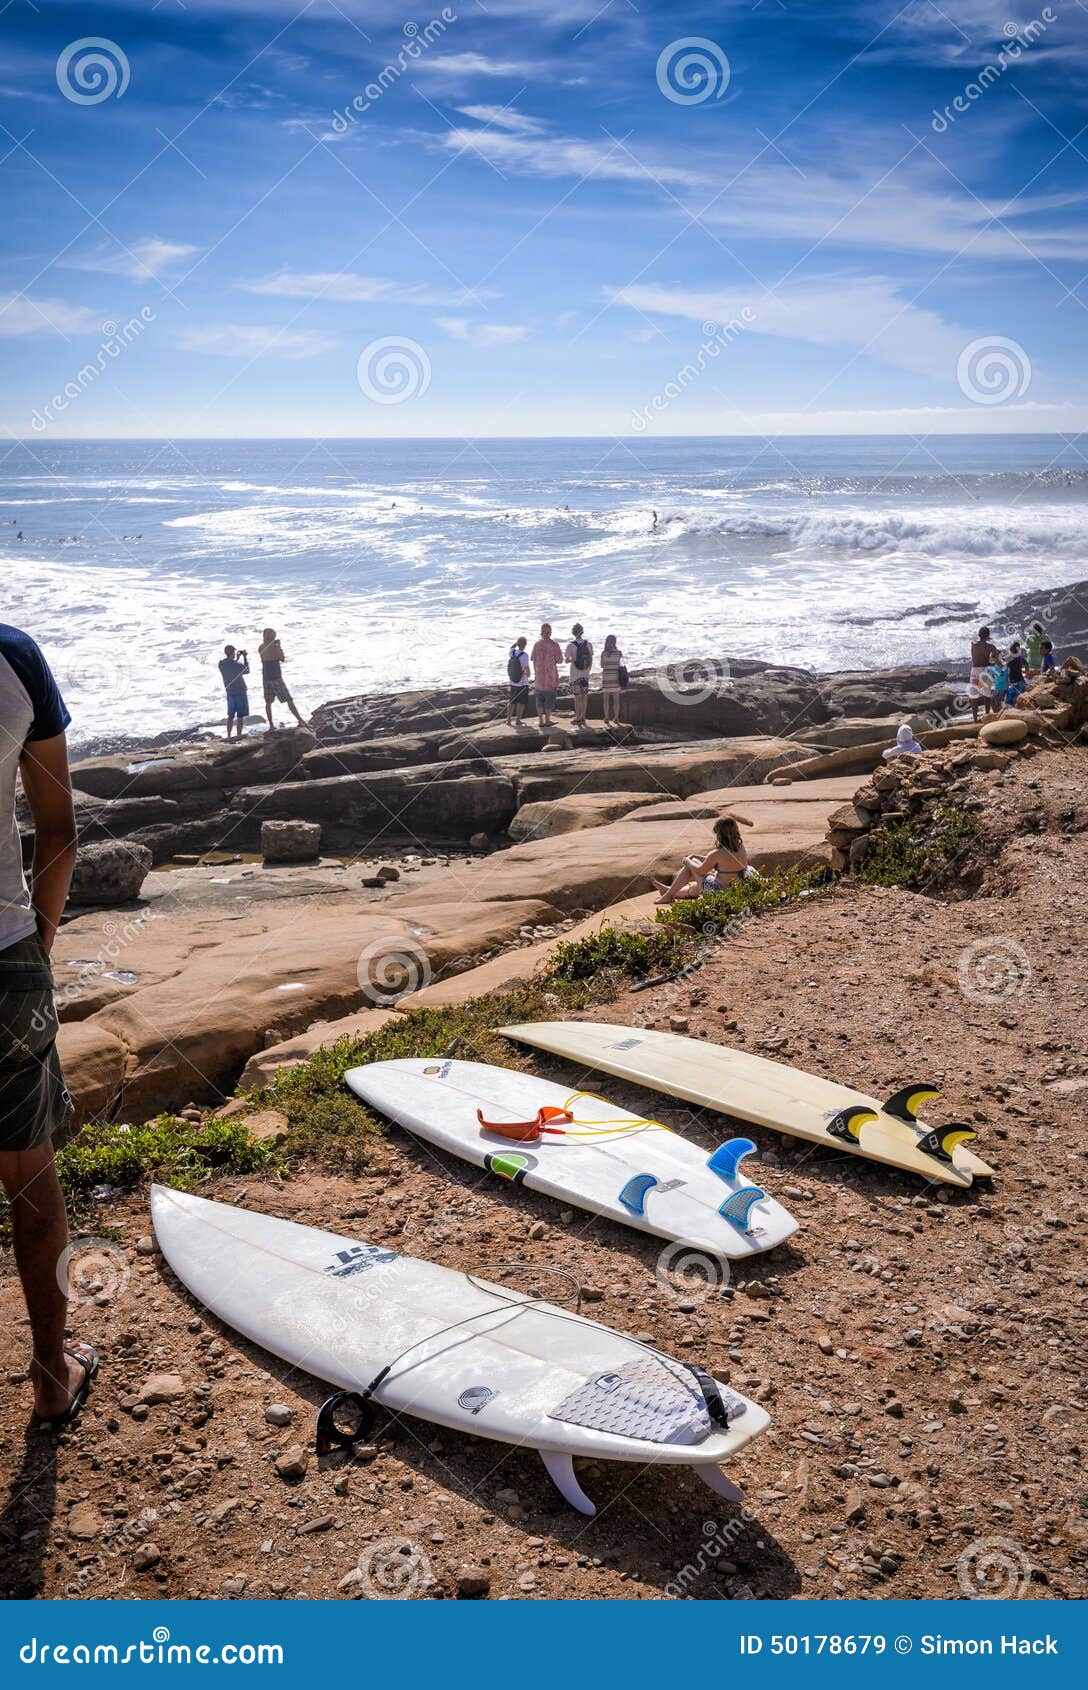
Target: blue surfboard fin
point(738, 1207)
point(729, 1156)
point(633, 1195)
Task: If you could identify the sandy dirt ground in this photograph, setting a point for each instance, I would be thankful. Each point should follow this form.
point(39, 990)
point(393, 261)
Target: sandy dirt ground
point(922, 1350)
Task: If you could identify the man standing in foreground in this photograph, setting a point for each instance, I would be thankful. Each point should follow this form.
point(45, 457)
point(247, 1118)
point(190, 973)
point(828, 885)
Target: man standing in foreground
point(33, 1100)
point(275, 688)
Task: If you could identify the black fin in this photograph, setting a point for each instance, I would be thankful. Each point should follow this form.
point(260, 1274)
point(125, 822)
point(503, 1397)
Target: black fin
point(847, 1124)
point(905, 1103)
point(936, 1143)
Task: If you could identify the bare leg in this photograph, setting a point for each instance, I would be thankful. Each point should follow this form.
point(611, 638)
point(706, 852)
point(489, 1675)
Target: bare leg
point(685, 885)
point(290, 703)
point(268, 712)
point(40, 1235)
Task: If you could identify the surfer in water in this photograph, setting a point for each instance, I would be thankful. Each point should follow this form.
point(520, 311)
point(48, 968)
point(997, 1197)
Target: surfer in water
point(728, 861)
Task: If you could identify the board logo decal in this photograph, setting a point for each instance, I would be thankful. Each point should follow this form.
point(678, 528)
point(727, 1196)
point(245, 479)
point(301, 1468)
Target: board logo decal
point(438, 1070)
point(608, 1381)
point(626, 1044)
point(510, 1164)
point(476, 1397)
point(359, 1259)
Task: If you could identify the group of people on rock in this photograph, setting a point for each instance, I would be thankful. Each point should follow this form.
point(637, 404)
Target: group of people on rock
point(234, 667)
point(543, 663)
point(999, 678)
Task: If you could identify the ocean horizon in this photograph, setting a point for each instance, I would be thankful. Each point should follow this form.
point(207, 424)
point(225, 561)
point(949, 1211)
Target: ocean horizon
point(402, 564)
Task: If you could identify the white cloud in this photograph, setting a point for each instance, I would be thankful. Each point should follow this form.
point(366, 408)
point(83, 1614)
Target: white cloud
point(346, 287)
point(900, 198)
point(855, 314)
point(459, 66)
point(146, 259)
point(253, 340)
point(560, 155)
point(505, 117)
point(897, 204)
point(20, 315)
point(482, 334)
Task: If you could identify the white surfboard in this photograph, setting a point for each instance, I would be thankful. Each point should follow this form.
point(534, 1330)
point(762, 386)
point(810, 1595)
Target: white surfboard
point(451, 1348)
point(769, 1094)
point(588, 1152)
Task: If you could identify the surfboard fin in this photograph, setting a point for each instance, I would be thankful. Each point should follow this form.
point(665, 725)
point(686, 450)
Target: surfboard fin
point(906, 1103)
point(561, 1473)
point(739, 1206)
point(716, 1479)
point(633, 1196)
point(847, 1124)
point(942, 1141)
point(729, 1156)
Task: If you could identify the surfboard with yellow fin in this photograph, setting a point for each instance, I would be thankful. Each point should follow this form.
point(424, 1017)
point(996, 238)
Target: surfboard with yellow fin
point(769, 1094)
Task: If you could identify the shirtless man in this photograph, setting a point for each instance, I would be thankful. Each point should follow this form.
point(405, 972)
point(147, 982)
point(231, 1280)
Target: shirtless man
point(983, 655)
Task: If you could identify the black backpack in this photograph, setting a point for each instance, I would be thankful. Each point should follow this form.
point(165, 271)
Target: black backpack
point(513, 667)
point(583, 656)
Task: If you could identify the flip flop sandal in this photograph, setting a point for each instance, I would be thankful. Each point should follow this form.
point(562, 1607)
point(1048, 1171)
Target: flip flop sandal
point(89, 1364)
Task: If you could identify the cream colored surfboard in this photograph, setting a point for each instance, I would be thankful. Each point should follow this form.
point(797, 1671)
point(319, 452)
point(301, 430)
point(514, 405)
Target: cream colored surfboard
point(768, 1094)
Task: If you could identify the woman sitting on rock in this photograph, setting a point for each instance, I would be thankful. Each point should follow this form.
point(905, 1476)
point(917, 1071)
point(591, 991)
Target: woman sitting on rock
point(712, 873)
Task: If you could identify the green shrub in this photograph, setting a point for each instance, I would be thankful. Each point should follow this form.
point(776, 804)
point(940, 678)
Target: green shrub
point(713, 912)
point(167, 1148)
point(914, 852)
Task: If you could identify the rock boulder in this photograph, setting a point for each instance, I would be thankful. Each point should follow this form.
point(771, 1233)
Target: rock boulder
point(110, 872)
point(290, 842)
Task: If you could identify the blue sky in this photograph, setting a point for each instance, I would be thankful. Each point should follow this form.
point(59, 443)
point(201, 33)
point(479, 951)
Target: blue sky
point(517, 218)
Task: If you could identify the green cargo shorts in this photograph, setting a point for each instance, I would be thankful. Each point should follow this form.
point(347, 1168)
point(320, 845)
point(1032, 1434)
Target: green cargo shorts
point(34, 1100)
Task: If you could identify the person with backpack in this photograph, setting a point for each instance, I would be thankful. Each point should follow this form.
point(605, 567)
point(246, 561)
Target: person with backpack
point(517, 673)
point(579, 654)
point(547, 655)
point(613, 680)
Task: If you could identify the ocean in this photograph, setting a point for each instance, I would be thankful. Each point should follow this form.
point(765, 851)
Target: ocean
point(406, 564)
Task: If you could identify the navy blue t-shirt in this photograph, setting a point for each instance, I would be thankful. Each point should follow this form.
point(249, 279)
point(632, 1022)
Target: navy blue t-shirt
point(50, 715)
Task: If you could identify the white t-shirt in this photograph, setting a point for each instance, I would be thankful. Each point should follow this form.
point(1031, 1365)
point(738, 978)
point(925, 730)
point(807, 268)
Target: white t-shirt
point(523, 659)
point(30, 708)
point(571, 653)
